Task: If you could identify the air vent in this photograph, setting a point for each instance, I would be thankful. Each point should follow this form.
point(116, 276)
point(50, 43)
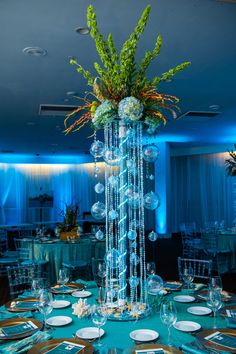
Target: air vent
point(55, 110)
point(197, 116)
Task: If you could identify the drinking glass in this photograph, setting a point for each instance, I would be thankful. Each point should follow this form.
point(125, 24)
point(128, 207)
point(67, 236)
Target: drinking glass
point(99, 318)
point(63, 278)
point(37, 286)
point(188, 276)
point(151, 268)
point(45, 305)
point(214, 301)
point(101, 271)
point(215, 283)
point(168, 315)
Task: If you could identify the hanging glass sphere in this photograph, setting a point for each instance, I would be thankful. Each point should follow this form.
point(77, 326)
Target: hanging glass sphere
point(130, 191)
point(130, 164)
point(130, 133)
point(99, 188)
point(112, 156)
point(99, 235)
point(97, 149)
point(133, 170)
point(134, 244)
point(151, 130)
point(151, 201)
point(134, 259)
point(134, 224)
point(134, 201)
point(113, 180)
point(154, 284)
point(112, 258)
point(151, 177)
point(98, 210)
point(150, 153)
point(152, 236)
point(97, 170)
point(112, 214)
point(132, 234)
point(134, 281)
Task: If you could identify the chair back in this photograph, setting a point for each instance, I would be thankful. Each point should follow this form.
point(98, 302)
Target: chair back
point(189, 239)
point(26, 232)
point(24, 248)
point(20, 278)
point(3, 241)
point(201, 268)
point(209, 241)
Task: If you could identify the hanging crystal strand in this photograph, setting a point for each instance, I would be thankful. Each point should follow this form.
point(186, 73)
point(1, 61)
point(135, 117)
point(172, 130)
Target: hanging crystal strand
point(122, 214)
point(107, 192)
point(134, 157)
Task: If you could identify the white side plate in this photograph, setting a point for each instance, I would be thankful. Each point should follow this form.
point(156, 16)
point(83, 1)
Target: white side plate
point(58, 321)
point(81, 293)
point(89, 333)
point(199, 310)
point(144, 335)
point(187, 326)
point(184, 298)
point(59, 304)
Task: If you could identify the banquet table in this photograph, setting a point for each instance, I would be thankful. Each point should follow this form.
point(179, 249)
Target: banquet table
point(227, 240)
point(56, 252)
point(117, 333)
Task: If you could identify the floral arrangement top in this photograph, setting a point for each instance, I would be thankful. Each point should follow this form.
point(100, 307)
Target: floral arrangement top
point(69, 219)
point(121, 88)
point(231, 163)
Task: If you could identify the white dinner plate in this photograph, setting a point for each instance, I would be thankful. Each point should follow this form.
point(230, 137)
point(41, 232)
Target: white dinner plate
point(58, 321)
point(144, 335)
point(161, 292)
point(187, 326)
point(82, 293)
point(89, 333)
point(199, 310)
point(59, 304)
point(184, 298)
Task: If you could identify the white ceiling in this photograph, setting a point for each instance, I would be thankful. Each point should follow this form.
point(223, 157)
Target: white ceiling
point(202, 31)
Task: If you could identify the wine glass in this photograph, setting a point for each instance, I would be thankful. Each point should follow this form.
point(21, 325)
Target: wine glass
point(214, 301)
point(99, 318)
point(37, 287)
point(188, 276)
point(168, 315)
point(45, 305)
point(101, 271)
point(63, 278)
point(151, 268)
point(216, 283)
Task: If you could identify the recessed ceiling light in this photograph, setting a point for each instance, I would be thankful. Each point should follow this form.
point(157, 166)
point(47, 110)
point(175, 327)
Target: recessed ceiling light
point(82, 30)
point(35, 51)
point(214, 107)
point(71, 93)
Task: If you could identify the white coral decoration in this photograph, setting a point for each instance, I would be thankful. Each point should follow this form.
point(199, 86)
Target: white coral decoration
point(81, 308)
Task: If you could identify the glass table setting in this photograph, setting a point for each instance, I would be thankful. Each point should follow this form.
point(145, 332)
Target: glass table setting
point(182, 321)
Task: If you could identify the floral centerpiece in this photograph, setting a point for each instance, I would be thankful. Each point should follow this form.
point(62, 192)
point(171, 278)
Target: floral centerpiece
point(68, 227)
point(231, 163)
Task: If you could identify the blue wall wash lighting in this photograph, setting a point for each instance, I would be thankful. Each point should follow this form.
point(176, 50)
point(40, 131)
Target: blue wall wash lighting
point(33, 159)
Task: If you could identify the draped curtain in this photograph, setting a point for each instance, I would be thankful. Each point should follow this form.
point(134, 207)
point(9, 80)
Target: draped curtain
point(201, 190)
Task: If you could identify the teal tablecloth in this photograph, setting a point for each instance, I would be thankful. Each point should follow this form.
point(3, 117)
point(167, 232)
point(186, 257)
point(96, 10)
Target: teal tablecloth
point(117, 333)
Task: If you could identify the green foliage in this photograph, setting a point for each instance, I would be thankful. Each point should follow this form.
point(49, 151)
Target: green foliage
point(231, 163)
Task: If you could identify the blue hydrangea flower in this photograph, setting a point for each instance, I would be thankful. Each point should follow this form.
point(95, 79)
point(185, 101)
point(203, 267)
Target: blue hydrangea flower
point(130, 108)
point(105, 113)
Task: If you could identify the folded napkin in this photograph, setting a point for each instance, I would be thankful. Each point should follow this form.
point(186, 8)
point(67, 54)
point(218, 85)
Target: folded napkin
point(22, 346)
point(230, 322)
point(191, 348)
point(89, 284)
point(5, 314)
point(198, 286)
point(26, 293)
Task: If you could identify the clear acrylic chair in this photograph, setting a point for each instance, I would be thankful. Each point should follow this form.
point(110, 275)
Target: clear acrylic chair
point(20, 278)
point(201, 268)
point(8, 257)
point(25, 250)
point(190, 240)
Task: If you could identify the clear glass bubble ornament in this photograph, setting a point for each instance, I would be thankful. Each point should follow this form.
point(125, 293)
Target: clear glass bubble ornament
point(112, 156)
point(130, 191)
point(134, 244)
point(155, 284)
point(99, 188)
point(134, 201)
point(134, 224)
point(134, 281)
point(130, 164)
point(97, 149)
point(130, 133)
point(134, 259)
point(99, 235)
point(98, 210)
point(113, 214)
point(113, 181)
point(150, 153)
point(112, 258)
point(151, 201)
point(152, 236)
point(132, 234)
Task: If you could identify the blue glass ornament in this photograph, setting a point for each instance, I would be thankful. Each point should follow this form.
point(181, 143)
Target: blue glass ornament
point(134, 244)
point(97, 149)
point(151, 177)
point(134, 259)
point(130, 164)
point(132, 234)
point(134, 224)
point(150, 153)
point(112, 214)
point(112, 258)
point(113, 181)
point(134, 200)
point(155, 284)
point(98, 210)
point(130, 133)
point(152, 236)
point(151, 201)
point(134, 281)
point(112, 156)
point(99, 188)
point(99, 235)
point(133, 170)
point(97, 170)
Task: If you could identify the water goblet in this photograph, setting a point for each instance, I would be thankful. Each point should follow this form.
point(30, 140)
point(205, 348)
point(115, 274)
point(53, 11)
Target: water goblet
point(63, 278)
point(216, 283)
point(214, 301)
point(99, 318)
point(101, 271)
point(168, 316)
point(151, 268)
point(45, 305)
point(37, 287)
point(188, 276)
